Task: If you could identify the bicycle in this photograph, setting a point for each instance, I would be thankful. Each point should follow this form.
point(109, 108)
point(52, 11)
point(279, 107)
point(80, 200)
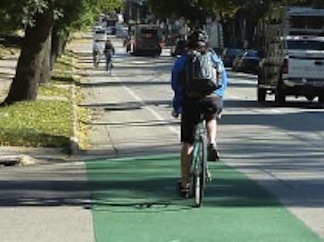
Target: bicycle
point(109, 64)
point(199, 172)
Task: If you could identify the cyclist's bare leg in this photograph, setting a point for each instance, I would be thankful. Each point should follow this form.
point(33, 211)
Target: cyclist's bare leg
point(213, 154)
point(186, 151)
point(96, 58)
point(211, 131)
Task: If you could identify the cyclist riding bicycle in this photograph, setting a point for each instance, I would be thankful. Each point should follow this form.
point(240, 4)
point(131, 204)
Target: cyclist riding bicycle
point(190, 106)
point(109, 51)
point(97, 50)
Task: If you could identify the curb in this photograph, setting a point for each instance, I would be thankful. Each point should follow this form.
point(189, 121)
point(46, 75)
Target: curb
point(74, 145)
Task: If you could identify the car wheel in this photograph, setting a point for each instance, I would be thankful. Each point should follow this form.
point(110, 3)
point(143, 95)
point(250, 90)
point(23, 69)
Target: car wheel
point(280, 97)
point(261, 93)
point(159, 52)
point(321, 98)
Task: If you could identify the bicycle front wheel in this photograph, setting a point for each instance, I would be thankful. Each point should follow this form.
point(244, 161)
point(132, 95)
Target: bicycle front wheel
point(199, 179)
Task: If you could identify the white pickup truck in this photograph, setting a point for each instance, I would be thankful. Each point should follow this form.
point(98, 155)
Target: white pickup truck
point(294, 67)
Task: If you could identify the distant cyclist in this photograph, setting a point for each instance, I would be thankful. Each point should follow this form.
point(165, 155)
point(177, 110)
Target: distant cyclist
point(109, 52)
point(189, 106)
point(97, 50)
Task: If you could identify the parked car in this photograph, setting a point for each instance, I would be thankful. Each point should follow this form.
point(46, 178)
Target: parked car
point(228, 56)
point(100, 35)
point(248, 62)
point(179, 47)
point(293, 66)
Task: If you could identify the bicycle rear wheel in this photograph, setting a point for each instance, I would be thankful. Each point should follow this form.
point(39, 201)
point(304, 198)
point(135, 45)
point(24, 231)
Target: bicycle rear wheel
point(108, 61)
point(199, 175)
point(107, 65)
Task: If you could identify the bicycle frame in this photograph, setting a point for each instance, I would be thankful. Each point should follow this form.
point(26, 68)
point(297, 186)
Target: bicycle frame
point(199, 169)
point(199, 132)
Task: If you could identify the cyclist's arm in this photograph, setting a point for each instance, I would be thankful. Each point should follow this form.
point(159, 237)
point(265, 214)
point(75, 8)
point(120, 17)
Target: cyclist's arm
point(218, 61)
point(175, 83)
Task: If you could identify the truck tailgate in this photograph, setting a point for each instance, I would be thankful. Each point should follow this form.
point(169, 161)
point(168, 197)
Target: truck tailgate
point(309, 65)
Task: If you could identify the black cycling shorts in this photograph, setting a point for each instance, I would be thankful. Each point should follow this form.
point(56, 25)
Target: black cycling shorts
point(191, 112)
point(108, 54)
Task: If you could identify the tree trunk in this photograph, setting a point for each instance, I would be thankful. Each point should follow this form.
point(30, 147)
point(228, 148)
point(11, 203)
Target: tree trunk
point(45, 72)
point(54, 49)
point(24, 86)
point(63, 39)
point(58, 45)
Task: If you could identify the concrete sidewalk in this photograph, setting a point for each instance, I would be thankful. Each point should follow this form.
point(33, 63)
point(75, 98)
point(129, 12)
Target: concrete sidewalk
point(47, 201)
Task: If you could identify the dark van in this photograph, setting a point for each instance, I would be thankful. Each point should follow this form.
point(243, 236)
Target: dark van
point(145, 39)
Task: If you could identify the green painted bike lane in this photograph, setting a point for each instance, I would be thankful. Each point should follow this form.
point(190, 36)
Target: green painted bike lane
point(134, 200)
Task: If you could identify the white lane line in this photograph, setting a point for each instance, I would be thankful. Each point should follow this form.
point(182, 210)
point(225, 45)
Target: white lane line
point(151, 110)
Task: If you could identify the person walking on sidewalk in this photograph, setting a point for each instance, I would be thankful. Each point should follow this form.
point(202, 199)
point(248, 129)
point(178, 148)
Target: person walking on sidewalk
point(189, 105)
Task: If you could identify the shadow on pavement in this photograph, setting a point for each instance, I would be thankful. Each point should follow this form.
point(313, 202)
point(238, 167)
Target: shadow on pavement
point(284, 121)
point(145, 182)
point(152, 182)
point(128, 105)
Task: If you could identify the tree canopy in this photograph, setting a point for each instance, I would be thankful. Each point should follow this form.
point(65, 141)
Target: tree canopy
point(44, 22)
point(190, 8)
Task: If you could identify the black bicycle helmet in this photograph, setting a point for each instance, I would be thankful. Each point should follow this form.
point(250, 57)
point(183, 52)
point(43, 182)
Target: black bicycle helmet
point(197, 37)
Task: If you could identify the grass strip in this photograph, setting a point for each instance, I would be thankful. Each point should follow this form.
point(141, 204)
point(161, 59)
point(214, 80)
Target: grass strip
point(34, 124)
point(48, 121)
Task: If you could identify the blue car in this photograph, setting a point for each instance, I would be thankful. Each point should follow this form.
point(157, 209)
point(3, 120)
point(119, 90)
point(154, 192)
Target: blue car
point(247, 62)
point(228, 56)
